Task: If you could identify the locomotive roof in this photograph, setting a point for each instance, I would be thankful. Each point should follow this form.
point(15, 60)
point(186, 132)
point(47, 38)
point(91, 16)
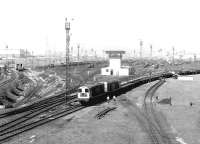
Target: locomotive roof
point(109, 81)
point(89, 85)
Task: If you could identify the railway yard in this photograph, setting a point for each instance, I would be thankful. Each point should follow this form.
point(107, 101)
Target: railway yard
point(99, 72)
point(151, 106)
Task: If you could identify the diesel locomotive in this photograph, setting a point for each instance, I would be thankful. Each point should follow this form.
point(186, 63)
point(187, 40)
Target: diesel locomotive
point(90, 92)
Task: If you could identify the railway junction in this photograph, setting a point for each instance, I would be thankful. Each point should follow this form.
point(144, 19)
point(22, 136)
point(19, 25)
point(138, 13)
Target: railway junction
point(157, 107)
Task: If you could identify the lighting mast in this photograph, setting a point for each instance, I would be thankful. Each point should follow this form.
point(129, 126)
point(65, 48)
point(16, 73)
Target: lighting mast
point(151, 51)
point(78, 51)
point(173, 49)
point(67, 78)
point(141, 44)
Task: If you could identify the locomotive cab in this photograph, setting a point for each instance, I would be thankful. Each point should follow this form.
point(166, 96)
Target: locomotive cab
point(88, 92)
point(83, 93)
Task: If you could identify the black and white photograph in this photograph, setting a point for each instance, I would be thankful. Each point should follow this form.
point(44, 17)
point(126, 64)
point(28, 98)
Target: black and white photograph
point(99, 72)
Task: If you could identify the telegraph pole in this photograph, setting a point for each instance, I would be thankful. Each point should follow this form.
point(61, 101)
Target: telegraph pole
point(141, 44)
point(67, 78)
point(151, 51)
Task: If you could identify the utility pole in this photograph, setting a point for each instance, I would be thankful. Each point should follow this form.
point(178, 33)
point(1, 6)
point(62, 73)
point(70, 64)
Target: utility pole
point(7, 61)
point(151, 51)
point(195, 57)
point(71, 53)
point(141, 44)
point(173, 55)
point(134, 53)
point(86, 56)
point(67, 78)
point(95, 55)
point(26, 58)
point(32, 61)
point(78, 51)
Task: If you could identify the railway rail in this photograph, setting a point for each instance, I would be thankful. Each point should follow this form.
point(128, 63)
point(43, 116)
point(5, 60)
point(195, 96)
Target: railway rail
point(6, 82)
point(32, 111)
point(155, 130)
point(28, 115)
point(28, 97)
point(6, 134)
point(37, 104)
point(25, 122)
point(43, 101)
point(104, 112)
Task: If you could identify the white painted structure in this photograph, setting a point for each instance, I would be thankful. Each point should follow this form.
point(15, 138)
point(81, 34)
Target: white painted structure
point(115, 67)
point(185, 78)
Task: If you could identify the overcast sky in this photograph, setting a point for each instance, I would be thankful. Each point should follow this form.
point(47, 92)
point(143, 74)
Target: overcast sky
point(38, 25)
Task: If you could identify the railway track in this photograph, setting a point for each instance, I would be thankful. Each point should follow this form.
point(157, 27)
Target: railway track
point(31, 118)
point(30, 114)
point(155, 130)
point(52, 108)
point(42, 102)
point(29, 96)
point(6, 82)
point(10, 132)
point(37, 104)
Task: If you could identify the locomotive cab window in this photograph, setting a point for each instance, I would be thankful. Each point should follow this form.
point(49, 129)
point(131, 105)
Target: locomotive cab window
point(86, 90)
point(79, 90)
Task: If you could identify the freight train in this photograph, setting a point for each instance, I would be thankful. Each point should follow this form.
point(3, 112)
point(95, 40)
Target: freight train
point(91, 92)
